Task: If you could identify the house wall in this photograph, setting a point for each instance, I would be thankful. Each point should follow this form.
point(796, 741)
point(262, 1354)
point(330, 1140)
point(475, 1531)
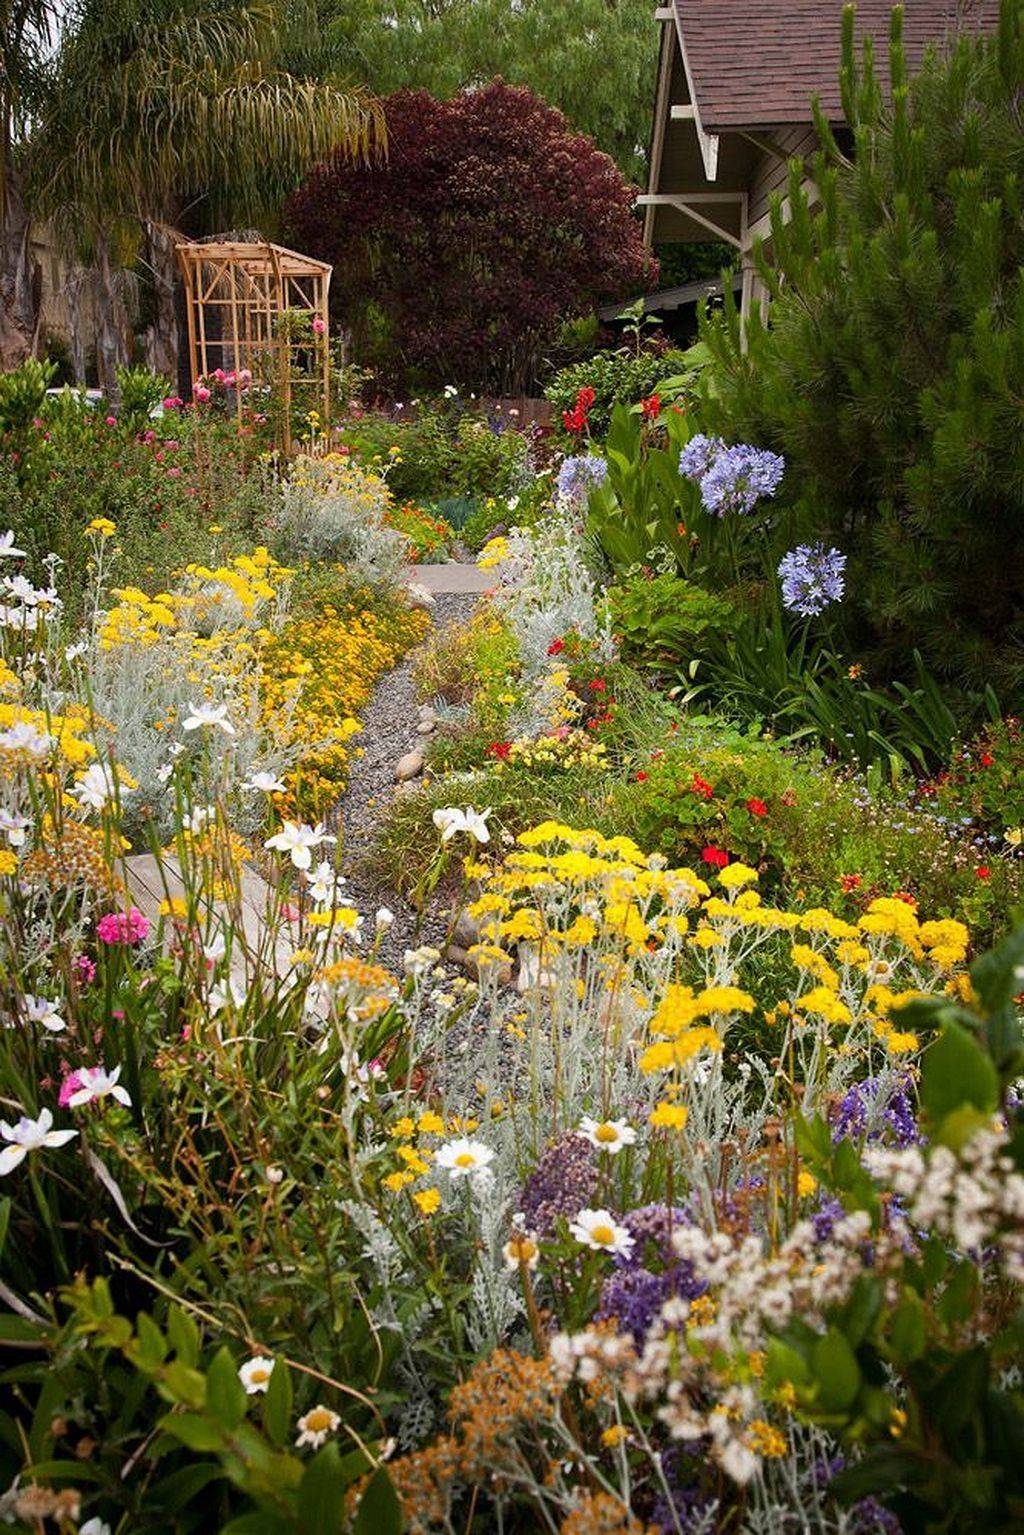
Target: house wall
point(770, 172)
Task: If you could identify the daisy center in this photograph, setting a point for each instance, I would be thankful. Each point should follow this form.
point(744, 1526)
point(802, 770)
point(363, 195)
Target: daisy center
point(318, 1420)
point(259, 1375)
point(604, 1235)
point(607, 1133)
point(465, 1159)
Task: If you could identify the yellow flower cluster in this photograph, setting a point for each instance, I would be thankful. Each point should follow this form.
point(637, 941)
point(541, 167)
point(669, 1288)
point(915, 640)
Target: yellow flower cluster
point(233, 593)
point(67, 733)
point(595, 910)
point(563, 750)
point(493, 553)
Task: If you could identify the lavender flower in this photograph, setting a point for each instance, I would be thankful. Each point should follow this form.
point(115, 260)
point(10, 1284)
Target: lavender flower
point(739, 477)
point(634, 1294)
point(699, 454)
point(862, 1113)
point(812, 577)
point(562, 1183)
point(577, 477)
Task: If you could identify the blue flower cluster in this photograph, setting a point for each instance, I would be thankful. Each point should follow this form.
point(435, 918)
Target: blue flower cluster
point(812, 578)
point(645, 1278)
point(577, 477)
point(731, 479)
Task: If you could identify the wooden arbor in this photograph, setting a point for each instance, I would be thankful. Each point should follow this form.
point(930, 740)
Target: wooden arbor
point(261, 309)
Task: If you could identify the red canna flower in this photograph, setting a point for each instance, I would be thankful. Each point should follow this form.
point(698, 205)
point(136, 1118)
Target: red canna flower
point(757, 807)
point(650, 408)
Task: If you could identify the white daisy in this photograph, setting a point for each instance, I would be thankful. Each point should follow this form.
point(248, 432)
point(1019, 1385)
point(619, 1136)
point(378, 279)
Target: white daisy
point(598, 1229)
point(608, 1134)
point(255, 1374)
point(521, 1247)
point(463, 1157)
point(29, 1135)
point(316, 1426)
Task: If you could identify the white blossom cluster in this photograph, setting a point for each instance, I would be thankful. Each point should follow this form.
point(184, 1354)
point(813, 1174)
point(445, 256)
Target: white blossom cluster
point(974, 1200)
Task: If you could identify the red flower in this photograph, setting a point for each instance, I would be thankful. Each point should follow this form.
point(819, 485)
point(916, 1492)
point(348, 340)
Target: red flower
point(848, 882)
point(598, 685)
point(905, 897)
point(757, 807)
point(987, 759)
point(641, 777)
point(983, 871)
point(701, 786)
point(585, 398)
point(499, 750)
point(650, 408)
point(556, 647)
point(715, 855)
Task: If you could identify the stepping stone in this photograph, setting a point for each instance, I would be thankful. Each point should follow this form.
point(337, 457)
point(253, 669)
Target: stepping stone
point(450, 578)
point(409, 766)
point(152, 880)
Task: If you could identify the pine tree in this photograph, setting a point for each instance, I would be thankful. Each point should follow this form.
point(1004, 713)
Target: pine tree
point(890, 369)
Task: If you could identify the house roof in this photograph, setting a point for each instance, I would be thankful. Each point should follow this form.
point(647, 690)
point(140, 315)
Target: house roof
point(758, 62)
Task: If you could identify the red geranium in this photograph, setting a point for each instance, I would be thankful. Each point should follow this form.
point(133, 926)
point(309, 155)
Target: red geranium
point(641, 777)
point(499, 750)
point(556, 647)
point(757, 807)
point(701, 786)
point(715, 856)
point(983, 872)
point(848, 882)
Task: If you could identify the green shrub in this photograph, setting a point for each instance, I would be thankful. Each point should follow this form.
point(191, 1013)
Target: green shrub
point(891, 373)
point(617, 378)
point(663, 620)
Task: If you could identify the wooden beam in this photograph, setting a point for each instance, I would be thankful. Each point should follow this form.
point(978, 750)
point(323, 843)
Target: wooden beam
point(683, 112)
point(646, 199)
point(665, 13)
point(683, 204)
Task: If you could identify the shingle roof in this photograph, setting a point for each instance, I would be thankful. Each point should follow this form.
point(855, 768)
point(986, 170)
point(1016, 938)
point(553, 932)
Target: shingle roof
point(761, 61)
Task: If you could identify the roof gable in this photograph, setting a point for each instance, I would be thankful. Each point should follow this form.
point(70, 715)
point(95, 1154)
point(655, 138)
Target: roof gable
point(759, 62)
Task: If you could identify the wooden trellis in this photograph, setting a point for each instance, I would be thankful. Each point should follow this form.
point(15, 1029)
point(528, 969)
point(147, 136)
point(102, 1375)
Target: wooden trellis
point(243, 301)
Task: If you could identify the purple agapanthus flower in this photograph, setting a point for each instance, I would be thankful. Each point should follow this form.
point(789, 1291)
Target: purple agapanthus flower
point(739, 478)
point(812, 578)
point(699, 454)
point(578, 475)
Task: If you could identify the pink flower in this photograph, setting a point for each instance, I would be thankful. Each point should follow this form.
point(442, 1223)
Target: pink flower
point(173, 402)
point(71, 1084)
point(86, 969)
point(123, 927)
point(111, 420)
point(319, 325)
point(202, 394)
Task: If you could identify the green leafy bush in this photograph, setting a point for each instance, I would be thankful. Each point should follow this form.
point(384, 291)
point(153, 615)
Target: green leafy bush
point(891, 371)
point(617, 378)
point(663, 620)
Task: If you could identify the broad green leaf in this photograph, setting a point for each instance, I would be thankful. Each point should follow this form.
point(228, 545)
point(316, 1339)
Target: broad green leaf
point(836, 1371)
point(956, 1071)
point(277, 1405)
point(907, 1329)
point(321, 1494)
point(225, 1394)
point(380, 1512)
point(194, 1430)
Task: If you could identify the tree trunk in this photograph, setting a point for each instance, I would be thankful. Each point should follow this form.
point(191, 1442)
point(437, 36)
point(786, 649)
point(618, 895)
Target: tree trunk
point(162, 335)
point(108, 339)
point(19, 278)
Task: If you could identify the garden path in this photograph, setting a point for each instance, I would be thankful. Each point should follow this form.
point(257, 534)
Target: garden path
point(389, 732)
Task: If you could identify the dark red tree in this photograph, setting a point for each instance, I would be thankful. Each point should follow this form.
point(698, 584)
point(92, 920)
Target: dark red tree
point(458, 256)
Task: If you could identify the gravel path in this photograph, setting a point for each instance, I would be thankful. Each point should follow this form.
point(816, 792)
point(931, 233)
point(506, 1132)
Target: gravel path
point(389, 730)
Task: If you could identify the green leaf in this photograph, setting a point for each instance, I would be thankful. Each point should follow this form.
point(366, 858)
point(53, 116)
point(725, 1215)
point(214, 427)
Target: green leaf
point(194, 1430)
point(225, 1394)
point(151, 1346)
point(907, 1330)
point(177, 1489)
point(881, 1472)
point(321, 1493)
point(380, 1512)
point(183, 1335)
point(277, 1405)
point(956, 1071)
point(836, 1371)
point(258, 1524)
